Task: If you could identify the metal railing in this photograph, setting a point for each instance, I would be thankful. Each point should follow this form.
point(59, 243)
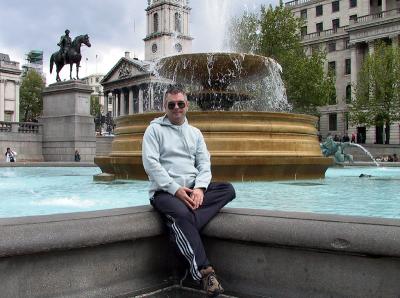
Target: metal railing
point(21, 127)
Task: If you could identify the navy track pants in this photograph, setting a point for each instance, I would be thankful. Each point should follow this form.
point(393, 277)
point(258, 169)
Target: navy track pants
point(185, 224)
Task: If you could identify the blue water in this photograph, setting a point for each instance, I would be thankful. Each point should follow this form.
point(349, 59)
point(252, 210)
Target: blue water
point(39, 191)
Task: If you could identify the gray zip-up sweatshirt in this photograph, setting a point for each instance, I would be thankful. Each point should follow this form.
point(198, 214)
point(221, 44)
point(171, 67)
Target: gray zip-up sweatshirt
point(175, 156)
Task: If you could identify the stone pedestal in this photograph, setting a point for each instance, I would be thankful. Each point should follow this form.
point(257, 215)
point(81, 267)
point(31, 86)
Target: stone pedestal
point(67, 123)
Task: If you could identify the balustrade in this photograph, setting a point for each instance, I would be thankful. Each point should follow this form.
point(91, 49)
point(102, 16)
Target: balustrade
point(21, 127)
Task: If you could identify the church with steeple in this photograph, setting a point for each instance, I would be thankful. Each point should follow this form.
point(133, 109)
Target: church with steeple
point(167, 29)
point(130, 85)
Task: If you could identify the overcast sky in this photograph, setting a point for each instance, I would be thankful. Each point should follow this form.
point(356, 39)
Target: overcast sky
point(114, 26)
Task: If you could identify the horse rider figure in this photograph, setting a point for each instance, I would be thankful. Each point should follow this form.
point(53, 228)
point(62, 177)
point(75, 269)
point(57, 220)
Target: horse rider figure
point(64, 44)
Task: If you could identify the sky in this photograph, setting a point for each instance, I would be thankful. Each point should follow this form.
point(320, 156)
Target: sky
point(114, 26)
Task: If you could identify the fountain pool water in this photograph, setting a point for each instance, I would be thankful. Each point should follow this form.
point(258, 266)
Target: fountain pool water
point(40, 191)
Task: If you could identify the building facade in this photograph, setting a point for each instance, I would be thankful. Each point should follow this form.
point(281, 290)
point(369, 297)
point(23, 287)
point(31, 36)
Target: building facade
point(167, 28)
point(10, 78)
point(94, 82)
point(348, 30)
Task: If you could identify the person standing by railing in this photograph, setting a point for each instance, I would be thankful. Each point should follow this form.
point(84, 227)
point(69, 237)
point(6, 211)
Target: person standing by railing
point(10, 155)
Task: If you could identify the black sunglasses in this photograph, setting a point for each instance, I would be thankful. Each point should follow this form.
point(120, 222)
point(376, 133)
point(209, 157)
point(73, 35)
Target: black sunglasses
point(171, 105)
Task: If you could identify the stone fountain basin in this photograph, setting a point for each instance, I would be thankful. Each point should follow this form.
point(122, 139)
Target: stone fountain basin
point(244, 146)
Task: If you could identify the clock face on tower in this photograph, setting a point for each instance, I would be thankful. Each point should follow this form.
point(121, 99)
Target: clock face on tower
point(154, 48)
point(178, 47)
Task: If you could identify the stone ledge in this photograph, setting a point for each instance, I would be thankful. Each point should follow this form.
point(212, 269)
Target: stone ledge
point(357, 235)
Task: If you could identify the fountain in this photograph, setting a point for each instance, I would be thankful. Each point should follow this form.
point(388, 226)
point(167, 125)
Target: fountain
point(246, 143)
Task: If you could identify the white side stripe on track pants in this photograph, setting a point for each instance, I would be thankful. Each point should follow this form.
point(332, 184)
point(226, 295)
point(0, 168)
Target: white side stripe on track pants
point(186, 250)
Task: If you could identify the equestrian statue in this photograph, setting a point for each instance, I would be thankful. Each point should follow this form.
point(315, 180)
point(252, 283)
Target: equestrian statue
point(69, 53)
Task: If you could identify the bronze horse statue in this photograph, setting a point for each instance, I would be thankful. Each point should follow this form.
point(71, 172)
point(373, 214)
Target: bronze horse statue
point(73, 55)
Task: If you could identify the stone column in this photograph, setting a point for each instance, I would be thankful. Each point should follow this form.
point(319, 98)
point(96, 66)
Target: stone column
point(122, 103)
point(130, 101)
point(2, 96)
point(371, 47)
point(395, 41)
point(117, 103)
point(114, 104)
point(16, 114)
point(105, 107)
point(384, 6)
point(151, 96)
point(140, 101)
point(354, 70)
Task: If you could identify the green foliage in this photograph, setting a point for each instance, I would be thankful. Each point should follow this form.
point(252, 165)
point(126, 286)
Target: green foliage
point(95, 106)
point(377, 93)
point(275, 33)
point(31, 99)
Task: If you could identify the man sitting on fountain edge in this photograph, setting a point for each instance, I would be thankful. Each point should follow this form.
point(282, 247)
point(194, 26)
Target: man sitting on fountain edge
point(176, 159)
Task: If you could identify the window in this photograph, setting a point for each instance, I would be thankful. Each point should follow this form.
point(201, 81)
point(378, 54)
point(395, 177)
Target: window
point(348, 93)
point(8, 116)
point(315, 48)
point(353, 18)
point(97, 79)
point(335, 6)
point(335, 24)
point(178, 25)
point(303, 31)
point(318, 10)
point(348, 66)
point(319, 27)
point(332, 67)
point(379, 2)
point(331, 47)
point(332, 122)
point(303, 14)
point(110, 100)
point(353, 3)
point(347, 43)
point(155, 22)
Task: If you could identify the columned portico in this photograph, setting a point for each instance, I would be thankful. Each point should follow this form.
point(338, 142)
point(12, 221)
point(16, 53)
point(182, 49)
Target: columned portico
point(134, 87)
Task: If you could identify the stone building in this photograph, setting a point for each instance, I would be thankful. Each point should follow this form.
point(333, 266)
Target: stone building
point(10, 73)
point(93, 81)
point(347, 30)
point(131, 83)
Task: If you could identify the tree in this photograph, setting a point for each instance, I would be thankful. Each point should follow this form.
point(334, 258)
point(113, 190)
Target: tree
point(31, 99)
point(275, 33)
point(95, 111)
point(377, 92)
point(95, 106)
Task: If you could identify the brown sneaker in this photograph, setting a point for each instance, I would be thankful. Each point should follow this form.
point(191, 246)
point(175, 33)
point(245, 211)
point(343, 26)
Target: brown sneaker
point(210, 282)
